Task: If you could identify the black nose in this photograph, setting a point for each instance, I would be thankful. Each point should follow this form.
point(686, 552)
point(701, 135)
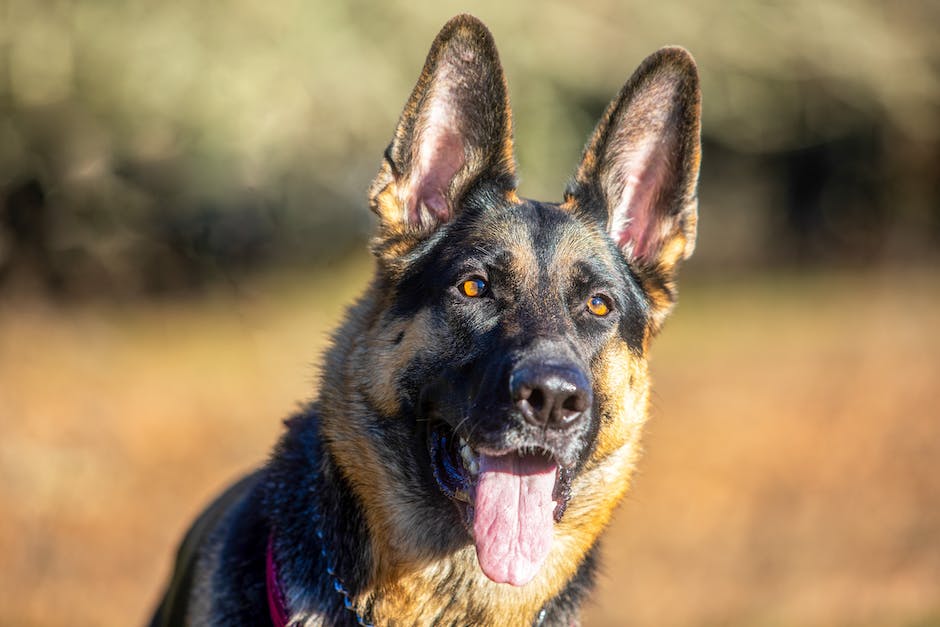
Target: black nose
point(550, 396)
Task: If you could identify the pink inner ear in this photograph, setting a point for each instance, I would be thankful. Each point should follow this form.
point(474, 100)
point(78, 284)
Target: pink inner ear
point(642, 173)
point(438, 151)
point(440, 157)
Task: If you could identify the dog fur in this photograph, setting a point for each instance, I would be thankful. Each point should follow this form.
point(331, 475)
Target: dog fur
point(519, 327)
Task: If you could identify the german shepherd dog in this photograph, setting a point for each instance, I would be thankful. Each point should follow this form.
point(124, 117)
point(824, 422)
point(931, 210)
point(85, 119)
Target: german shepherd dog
point(481, 405)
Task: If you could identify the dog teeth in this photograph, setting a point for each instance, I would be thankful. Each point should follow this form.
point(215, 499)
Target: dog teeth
point(469, 458)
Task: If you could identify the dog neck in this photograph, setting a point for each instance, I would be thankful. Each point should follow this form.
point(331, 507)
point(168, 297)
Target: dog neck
point(331, 567)
point(318, 535)
point(277, 604)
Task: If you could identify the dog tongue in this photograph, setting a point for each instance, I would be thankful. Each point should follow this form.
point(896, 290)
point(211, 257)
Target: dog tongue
point(513, 516)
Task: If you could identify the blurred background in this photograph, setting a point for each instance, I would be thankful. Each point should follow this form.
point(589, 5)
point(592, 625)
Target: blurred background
point(183, 220)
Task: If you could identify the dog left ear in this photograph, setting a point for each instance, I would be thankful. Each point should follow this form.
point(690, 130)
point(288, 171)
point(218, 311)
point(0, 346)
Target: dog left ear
point(454, 133)
point(640, 167)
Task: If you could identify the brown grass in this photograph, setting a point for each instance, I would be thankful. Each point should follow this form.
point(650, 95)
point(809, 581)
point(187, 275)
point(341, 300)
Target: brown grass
point(792, 474)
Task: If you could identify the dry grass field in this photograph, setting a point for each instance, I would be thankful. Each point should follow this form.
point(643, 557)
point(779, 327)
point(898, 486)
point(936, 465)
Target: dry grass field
point(792, 473)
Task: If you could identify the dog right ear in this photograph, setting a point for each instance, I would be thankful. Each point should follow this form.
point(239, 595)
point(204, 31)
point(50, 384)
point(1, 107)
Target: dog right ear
point(639, 171)
point(454, 134)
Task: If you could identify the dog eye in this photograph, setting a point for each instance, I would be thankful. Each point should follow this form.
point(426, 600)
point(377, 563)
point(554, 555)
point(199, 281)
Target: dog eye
point(598, 305)
point(473, 288)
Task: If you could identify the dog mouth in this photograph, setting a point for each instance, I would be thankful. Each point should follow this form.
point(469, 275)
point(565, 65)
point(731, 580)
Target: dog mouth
point(509, 499)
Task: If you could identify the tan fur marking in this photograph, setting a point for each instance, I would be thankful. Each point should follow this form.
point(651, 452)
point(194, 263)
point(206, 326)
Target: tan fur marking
point(389, 359)
point(523, 264)
point(622, 382)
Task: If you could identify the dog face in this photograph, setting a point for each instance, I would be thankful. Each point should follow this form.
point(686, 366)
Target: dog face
point(522, 298)
point(503, 355)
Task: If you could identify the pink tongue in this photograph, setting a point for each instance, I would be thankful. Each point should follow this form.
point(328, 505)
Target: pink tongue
point(513, 516)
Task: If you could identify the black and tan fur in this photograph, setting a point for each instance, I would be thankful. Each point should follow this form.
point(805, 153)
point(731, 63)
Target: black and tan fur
point(416, 354)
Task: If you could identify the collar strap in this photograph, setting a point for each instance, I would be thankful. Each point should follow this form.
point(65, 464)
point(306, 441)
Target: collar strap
point(276, 605)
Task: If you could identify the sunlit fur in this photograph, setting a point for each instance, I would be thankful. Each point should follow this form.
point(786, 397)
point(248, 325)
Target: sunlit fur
point(354, 467)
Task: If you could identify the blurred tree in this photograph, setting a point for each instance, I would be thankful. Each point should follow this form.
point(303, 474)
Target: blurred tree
point(180, 140)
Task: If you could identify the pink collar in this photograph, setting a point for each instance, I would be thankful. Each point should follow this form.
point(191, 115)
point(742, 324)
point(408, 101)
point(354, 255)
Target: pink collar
point(276, 605)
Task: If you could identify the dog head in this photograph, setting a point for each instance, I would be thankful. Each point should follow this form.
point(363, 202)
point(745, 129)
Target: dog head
point(505, 352)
